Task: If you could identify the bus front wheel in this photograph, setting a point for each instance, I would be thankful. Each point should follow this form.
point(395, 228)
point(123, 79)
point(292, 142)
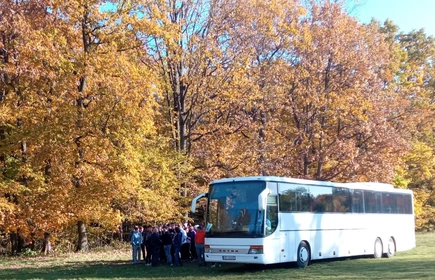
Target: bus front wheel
point(391, 250)
point(378, 248)
point(303, 255)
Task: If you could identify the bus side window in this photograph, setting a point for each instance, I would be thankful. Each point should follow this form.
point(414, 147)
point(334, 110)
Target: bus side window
point(287, 201)
point(372, 202)
point(404, 203)
point(322, 198)
point(294, 199)
point(408, 204)
point(357, 201)
point(271, 216)
point(389, 203)
point(341, 200)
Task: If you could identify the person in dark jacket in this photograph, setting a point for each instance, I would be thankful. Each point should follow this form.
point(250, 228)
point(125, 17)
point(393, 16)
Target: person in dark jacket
point(147, 239)
point(178, 241)
point(191, 234)
point(155, 247)
point(167, 245)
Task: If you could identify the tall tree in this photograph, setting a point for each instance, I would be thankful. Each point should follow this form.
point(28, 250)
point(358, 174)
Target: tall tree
point(313, 102)
point(191, 49)
point(87, 111)
point(336, 107)
point(260, 33)
point(415, 82)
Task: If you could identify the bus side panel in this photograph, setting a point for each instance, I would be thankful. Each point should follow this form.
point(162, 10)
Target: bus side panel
point(329, 235)
point(286, 255)
point(291, 234)
point(272, 249)
point(334, 235)
point(402, 229)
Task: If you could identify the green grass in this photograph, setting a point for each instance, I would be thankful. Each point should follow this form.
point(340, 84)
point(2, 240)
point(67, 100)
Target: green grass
point(418, 263)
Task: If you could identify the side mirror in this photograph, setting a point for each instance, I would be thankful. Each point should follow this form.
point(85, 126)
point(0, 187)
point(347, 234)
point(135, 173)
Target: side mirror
point(194, 201)
point(262, 199)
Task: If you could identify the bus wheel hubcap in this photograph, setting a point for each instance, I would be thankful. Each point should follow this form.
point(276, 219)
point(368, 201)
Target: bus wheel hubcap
point(378, 247)
point(391, 247)
point(303, 254)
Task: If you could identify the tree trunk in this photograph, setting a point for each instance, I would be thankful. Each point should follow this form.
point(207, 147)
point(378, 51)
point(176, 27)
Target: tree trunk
point(46, 248)
point(14, 243)
point(17, 242)
point(82, 243)
point(120, 233)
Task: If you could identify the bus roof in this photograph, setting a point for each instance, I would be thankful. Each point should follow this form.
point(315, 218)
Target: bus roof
point(369, 186)
point(276, 179)
point(375, 186)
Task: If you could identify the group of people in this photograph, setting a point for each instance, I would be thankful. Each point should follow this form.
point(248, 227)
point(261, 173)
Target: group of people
point(171, 244)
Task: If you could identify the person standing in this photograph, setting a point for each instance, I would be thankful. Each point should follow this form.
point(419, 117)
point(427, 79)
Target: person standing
point(185, 244)
point(178, 241)
point(171, 230)
point(191, 235)
point(136, 240)
point(167, 245)
point(147, 240)
point(199, 245)
point(155, 247)
point(142, 245)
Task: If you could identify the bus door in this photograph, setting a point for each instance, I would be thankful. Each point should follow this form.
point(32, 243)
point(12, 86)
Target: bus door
point(271, 226)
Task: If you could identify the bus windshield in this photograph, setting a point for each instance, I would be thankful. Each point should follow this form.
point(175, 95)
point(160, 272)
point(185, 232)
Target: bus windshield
point(233, 210)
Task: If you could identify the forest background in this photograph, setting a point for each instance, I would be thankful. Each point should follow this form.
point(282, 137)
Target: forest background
point(119, 112)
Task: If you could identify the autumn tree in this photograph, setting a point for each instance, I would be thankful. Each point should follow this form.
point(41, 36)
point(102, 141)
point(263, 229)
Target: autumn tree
point(209, 68)
point(414, 82)
point(199, 71)
point(336, 109)
point(14, 82)
point(313, 101)
point(254, 35)
point(86, 108)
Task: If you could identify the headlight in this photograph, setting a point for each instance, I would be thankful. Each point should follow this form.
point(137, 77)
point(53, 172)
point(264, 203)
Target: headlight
point(256, 249)
point(207, 249)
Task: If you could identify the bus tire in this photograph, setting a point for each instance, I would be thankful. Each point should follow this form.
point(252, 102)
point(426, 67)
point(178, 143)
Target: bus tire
point(378, 248)
point(391, 250)
point(304, 255)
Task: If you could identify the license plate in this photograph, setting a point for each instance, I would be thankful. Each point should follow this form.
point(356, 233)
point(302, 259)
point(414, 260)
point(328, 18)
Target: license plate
point(229, 258)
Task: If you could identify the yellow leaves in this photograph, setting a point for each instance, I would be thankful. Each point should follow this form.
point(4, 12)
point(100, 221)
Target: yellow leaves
point(420, 163)
point(423, 212)
point(6, 209)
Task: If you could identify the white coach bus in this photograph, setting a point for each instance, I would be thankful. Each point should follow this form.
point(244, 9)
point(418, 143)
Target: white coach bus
point(265, 220)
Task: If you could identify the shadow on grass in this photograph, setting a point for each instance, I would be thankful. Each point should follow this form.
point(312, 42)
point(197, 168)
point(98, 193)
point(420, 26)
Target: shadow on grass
point(112, 269)
point(400, 269)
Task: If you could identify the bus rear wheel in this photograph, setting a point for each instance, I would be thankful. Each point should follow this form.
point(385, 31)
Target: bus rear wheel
point(391, 250)
point(378, 248)
point(304, 254)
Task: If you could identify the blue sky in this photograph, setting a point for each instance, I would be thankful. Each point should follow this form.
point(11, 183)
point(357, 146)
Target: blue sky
point(407, 14)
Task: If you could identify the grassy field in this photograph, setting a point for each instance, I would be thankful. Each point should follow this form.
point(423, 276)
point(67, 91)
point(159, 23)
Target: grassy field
point(418, 263)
